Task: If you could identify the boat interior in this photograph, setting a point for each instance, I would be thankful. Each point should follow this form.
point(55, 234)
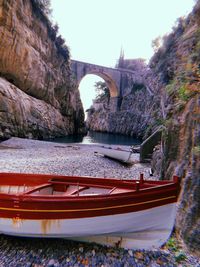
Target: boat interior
point(69, 190)
point(64, 190)
point(75, 186)
point(61, 189)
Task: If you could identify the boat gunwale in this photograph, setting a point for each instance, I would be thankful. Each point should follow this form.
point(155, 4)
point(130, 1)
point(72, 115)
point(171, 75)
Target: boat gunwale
point(86, 178)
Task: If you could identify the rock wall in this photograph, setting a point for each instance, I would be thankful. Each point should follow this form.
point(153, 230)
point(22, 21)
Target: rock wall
point(138, 114)
point(175, 73)
point(177, 65)
point(33, 61)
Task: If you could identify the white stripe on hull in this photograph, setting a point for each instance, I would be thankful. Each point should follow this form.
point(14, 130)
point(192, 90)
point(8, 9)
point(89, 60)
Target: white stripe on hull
point(143, 229)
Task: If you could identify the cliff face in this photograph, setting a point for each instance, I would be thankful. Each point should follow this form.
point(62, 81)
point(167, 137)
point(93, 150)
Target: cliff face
point(34, 69)
point(138, 114)
point(177, 65)
point(175, 74)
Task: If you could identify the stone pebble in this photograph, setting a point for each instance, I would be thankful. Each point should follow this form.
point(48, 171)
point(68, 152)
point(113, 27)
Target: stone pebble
point(22, 155)
point(35, 252)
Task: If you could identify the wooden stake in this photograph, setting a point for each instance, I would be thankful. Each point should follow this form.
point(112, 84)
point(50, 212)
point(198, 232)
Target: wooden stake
point(141, 178)
point(137, 185)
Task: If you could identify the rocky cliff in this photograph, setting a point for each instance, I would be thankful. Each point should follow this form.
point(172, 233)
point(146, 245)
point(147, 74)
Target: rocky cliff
point(177, 64)
point(138, 113)
point(37, 96)
point(175, 75)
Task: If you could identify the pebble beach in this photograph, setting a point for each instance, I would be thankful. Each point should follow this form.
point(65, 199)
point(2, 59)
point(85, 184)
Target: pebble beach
point(32, 156)
point(24, 155)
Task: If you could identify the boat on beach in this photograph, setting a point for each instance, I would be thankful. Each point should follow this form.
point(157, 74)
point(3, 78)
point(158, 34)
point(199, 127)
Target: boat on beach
point(124, 213)
point(118, 153)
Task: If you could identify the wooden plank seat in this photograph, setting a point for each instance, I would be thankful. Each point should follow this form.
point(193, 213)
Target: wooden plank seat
point(116, 190)
point(74, 190)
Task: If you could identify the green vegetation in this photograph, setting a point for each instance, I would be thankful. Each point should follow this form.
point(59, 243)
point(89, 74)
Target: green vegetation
point(170, 88)
point(156, 43)
point(181, 89)
point(102, 91)
point(179, 106)
point(43, 10)
point(173, 245)
point(160, 121)
point(196, 150)
point(180, 256)
point(45, 6)
point(183, 93)
point(182, 82)
point(62, 47)
point(137, 87)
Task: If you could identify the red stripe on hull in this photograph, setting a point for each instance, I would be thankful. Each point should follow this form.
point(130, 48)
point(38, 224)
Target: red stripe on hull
point(67, 213)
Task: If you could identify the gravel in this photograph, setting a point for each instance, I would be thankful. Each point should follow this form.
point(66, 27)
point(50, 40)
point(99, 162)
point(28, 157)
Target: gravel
point(23, 155)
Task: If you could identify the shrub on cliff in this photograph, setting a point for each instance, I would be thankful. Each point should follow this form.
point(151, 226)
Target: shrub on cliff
point(102, 91)
point(62, 47)
point(43, 9)
point(45, 6)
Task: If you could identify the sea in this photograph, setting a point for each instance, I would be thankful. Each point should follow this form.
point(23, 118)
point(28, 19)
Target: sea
point(99, 138)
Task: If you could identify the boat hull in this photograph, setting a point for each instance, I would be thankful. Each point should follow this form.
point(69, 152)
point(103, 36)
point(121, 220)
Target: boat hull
point(145, 229)
point(117, 154)
point(123, 213)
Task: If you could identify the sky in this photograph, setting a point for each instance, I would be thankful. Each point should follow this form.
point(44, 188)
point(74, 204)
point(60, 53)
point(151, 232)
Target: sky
point(97, 30)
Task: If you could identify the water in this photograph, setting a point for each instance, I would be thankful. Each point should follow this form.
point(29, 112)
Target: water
point(102, 138)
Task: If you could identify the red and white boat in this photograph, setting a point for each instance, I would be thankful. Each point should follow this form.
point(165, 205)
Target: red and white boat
point(126, 213)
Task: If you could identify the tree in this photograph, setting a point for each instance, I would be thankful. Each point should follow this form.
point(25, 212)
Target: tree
point(45, 6)
point(102, 91)
point(156, 43)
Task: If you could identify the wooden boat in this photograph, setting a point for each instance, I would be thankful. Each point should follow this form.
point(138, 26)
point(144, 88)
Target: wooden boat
point(115, 153)
point(126, 213)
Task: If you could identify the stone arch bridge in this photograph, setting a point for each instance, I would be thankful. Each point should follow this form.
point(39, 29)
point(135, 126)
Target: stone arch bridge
point(116, 79)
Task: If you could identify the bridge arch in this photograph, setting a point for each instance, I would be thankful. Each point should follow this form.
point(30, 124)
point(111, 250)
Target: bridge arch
point(114, 91)
point(118, 80)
